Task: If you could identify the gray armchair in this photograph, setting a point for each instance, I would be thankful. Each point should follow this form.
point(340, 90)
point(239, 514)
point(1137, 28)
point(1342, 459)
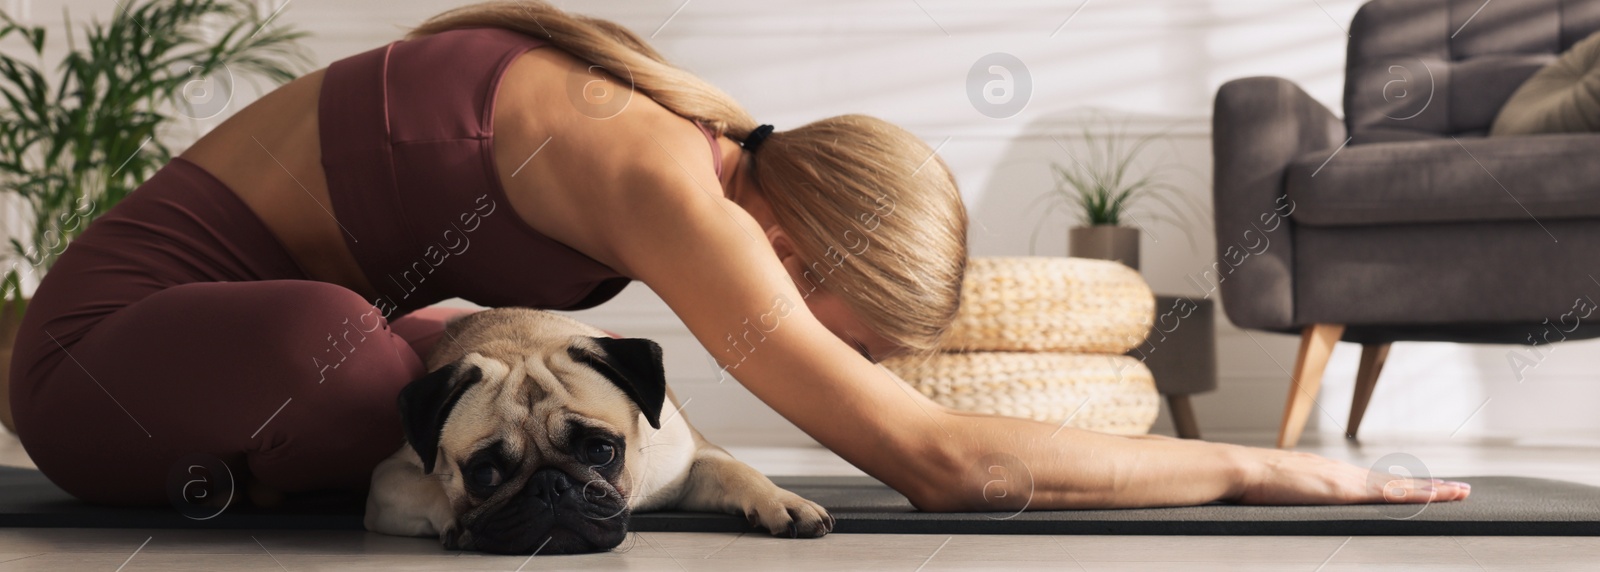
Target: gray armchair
point(1401, 221)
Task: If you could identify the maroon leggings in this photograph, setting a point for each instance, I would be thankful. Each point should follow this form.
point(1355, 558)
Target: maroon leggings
point(177, 325)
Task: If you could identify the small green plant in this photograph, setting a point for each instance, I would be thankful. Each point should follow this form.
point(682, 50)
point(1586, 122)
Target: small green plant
point(1103, 186)
point(74, 145)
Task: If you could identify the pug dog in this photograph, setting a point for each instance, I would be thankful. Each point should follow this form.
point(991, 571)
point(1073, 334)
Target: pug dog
point(536, 433)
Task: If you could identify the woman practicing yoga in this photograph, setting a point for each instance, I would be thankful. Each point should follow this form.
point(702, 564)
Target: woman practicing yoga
point(262, 298)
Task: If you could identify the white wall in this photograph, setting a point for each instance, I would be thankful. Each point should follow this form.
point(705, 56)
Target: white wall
point(1156, 63)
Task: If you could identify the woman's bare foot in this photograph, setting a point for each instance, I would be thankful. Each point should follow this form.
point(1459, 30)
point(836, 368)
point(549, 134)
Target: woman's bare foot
point(1295, 478)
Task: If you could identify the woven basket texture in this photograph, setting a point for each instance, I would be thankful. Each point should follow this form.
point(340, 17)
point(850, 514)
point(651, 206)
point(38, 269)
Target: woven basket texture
point(1051, 304)
point(1098, 392)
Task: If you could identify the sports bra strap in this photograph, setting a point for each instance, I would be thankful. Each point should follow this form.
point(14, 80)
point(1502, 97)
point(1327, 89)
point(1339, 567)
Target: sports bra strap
point(716, 150)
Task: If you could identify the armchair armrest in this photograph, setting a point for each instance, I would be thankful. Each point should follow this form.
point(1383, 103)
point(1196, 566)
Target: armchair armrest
point(1259, 126)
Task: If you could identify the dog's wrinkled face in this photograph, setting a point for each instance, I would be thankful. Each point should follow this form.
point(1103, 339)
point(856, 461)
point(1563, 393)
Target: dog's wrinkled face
point(526, 419)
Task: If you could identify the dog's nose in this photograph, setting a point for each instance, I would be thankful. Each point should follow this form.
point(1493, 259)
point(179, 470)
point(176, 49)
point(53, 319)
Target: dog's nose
point(549, 485)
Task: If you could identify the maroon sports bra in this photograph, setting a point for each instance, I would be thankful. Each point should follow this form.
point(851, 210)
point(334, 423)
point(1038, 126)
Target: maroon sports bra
point(408, 148)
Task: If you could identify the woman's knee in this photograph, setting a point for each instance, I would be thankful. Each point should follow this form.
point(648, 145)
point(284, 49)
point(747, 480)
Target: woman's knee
point(424, 328)
point(344, 365)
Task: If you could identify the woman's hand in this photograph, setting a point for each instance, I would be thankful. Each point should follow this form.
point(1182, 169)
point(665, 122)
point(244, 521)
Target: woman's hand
point(1295, 478)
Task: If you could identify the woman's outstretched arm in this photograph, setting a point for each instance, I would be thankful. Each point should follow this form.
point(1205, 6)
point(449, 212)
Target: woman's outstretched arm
point(713, 265)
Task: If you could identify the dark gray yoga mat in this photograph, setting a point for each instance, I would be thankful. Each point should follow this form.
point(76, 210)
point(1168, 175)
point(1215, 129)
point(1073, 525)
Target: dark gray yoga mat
point(1500, 506)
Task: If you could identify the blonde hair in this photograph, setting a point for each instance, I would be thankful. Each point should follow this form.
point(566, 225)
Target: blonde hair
point(873, 212)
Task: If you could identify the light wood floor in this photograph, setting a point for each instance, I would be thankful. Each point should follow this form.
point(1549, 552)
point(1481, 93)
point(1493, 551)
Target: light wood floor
point(1577, 460)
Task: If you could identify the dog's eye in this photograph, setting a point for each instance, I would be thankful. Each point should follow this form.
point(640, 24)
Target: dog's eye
point(484, 475)
point(598, 452)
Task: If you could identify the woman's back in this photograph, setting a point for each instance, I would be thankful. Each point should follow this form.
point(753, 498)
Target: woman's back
point(474, 87)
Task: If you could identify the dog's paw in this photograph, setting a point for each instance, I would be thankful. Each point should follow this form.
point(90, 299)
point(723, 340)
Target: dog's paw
point(786, 514)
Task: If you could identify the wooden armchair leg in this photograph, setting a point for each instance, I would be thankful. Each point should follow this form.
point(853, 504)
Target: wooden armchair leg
point(1183, 419)
point(1372, 358)
point(1316, 344)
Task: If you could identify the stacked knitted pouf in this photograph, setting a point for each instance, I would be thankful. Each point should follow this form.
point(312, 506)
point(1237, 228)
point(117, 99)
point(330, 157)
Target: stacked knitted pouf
point(1043, 338)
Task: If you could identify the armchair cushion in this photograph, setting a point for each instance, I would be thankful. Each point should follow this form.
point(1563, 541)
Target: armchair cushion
point(1563, 97)
point(1467, 179)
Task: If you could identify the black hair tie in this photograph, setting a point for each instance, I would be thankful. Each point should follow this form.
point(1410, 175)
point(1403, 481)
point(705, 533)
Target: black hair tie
point(756, 137)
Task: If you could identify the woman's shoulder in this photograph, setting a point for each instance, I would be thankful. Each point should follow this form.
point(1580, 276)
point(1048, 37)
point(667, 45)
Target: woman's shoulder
point(578, 147)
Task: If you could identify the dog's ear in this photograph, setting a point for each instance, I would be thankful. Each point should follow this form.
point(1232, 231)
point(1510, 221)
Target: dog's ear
point(427, 402)
point(634, 365)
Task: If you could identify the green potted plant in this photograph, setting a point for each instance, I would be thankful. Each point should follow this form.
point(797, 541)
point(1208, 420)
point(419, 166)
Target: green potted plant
point(1103, 186)
point(75, 144)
